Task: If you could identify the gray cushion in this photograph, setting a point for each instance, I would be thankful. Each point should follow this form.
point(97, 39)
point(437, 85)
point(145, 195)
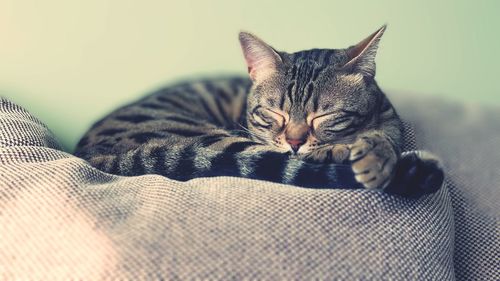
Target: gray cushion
point(466, 137)
point(59, 217)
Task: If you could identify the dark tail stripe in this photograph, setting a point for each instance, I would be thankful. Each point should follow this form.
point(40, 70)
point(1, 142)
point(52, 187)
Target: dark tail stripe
point(185, 168)
point(158, 154)
point(240, 146)
point(137, 166)
point(317, 172)
point(270, 166)
point(224, 164)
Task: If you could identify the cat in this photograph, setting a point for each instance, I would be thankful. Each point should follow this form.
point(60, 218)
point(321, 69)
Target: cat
point(313, 118)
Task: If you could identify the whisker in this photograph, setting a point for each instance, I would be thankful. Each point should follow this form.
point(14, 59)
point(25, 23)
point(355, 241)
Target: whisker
point(256, 136)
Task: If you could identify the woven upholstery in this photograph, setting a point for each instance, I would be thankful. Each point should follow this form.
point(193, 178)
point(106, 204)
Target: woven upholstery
point(467, 138)
point(61, 218)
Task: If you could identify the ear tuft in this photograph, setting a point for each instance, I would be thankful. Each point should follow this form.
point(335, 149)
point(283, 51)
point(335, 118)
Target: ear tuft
point(262, 60)
point(362, 55)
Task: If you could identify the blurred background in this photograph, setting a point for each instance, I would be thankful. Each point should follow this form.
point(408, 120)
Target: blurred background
point(71, 62)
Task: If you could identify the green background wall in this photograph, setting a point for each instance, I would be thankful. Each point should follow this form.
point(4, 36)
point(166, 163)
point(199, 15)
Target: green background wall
point(70, 62)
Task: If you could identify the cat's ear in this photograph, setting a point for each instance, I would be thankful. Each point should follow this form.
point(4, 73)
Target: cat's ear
point(361, 57)
point(262, 60)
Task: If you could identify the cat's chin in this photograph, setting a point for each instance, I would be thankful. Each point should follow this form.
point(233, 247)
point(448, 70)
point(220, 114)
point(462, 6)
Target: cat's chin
point(294, 155)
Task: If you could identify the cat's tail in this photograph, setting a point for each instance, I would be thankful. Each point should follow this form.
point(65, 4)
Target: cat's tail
point(415, 174)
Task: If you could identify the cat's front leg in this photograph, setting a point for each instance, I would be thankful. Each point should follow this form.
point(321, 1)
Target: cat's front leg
point(333, 153)
point(373, 159)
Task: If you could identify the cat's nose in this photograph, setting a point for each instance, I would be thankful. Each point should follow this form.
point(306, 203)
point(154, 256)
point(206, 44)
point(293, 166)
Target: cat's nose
point(295, 143)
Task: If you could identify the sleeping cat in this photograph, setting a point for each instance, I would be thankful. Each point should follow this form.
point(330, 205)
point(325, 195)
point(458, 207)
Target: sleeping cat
point(313, 118)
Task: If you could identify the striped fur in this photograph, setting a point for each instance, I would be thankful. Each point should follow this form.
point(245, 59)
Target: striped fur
point(236, 126)
point(195, 130)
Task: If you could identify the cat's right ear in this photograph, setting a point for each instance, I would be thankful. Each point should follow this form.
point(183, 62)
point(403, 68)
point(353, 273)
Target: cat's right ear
point(362, 55)
point(262, 60)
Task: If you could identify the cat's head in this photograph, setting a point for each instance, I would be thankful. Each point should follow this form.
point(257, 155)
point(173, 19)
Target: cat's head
point(300, 101)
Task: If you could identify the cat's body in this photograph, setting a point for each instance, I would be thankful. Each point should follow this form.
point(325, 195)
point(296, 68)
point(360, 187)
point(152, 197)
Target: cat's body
point(310, 118)
point(194, 129)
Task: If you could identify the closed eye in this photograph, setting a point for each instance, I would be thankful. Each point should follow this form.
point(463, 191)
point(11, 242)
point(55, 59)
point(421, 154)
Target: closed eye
point(262, 121)
point(332, 122)
point(265, 117)
point(338, 125)
point(321, 118)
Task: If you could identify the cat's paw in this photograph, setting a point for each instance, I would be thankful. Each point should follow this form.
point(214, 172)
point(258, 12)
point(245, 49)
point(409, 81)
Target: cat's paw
point(416, 174)
point(373, 159)
point(335, 153)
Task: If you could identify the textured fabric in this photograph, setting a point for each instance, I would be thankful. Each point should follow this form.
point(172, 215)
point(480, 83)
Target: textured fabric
point(467, 138)
point(61, 218)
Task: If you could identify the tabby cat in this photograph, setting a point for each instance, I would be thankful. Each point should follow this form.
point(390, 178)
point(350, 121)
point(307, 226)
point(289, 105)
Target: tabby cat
point(313, 118)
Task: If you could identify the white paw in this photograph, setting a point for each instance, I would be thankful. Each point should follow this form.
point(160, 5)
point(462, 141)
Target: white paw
point(373, 160)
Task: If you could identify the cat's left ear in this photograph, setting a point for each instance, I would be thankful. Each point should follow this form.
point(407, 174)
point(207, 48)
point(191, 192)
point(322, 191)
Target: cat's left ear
point(262, 60)
point(361, 57)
